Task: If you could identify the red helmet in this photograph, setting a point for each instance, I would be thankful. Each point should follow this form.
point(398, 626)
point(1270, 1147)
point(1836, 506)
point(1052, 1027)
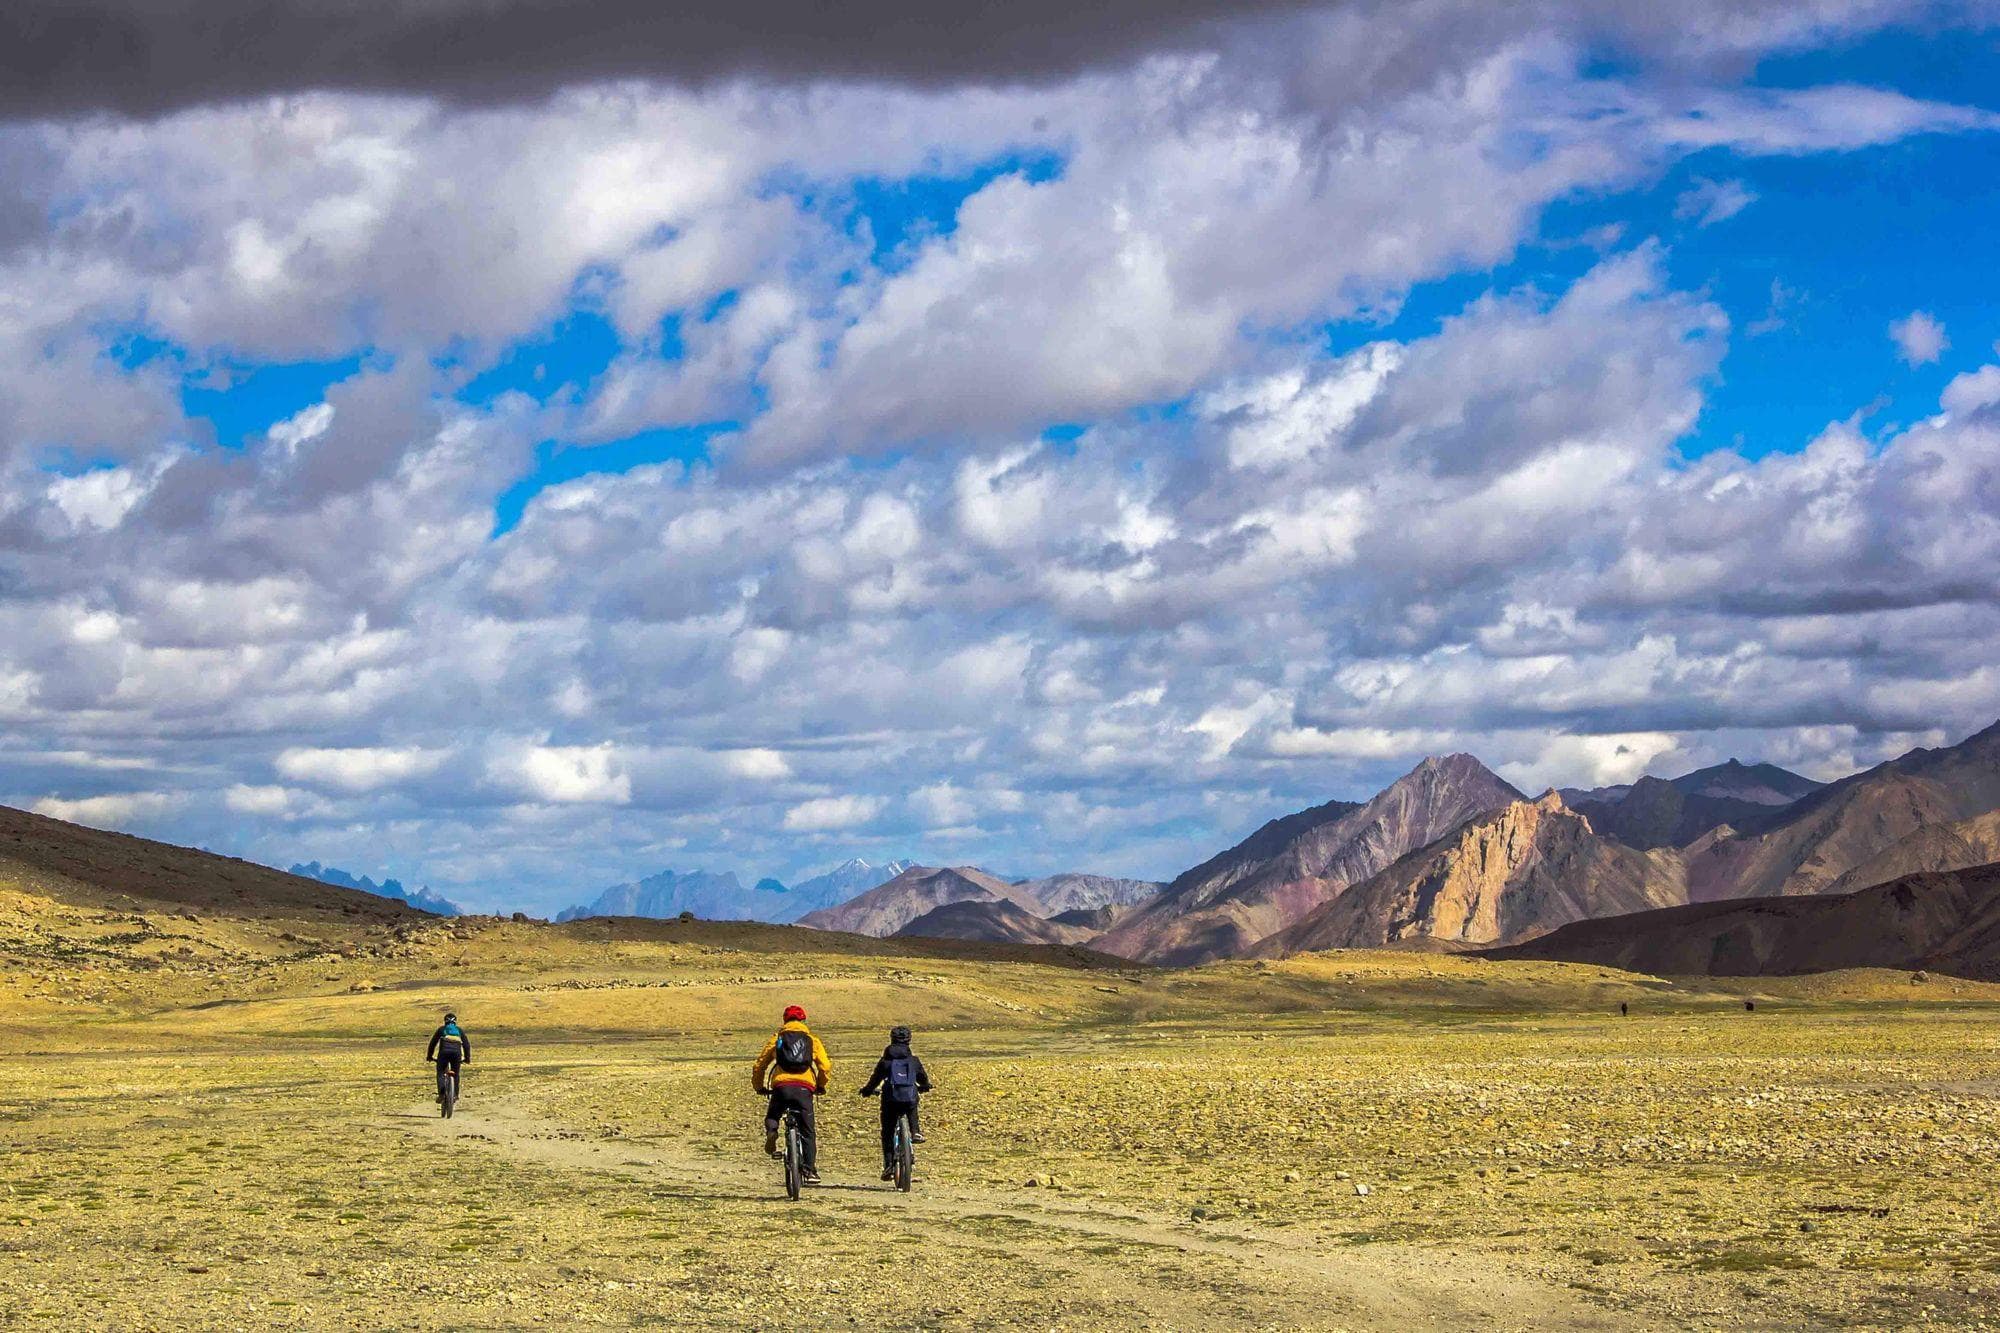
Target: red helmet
point(794, 1014)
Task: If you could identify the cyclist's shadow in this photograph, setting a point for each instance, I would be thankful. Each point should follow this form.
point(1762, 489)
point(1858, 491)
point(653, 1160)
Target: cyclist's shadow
point(760, 1196)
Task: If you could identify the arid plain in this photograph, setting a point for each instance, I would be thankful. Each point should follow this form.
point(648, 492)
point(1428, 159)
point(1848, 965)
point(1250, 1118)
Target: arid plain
point(219, 1122)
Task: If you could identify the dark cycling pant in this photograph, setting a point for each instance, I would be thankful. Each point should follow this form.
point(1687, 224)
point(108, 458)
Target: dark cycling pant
point(447, 1068)
point(788, 1096)
point(891, 1109)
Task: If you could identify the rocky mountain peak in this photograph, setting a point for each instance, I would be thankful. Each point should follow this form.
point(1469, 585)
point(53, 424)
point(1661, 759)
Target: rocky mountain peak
point(1448, 778)
point(1457, 767)
point(1516, 871)
point(1983, 742)
point(1293, 865)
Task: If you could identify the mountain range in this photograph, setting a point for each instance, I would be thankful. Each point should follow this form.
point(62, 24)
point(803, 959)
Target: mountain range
point(1451, 856)
point(1672, 812)
point(1515, 874)
point(1510, 875)
point(421, 899)
point(722, 897)
point(915, 903)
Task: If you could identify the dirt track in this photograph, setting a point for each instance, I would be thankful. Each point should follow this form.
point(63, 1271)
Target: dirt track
point(1376, 1287)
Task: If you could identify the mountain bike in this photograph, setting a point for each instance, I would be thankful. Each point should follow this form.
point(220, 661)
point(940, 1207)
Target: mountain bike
point(447, 1090)
point(904, 1156)
point(795, 1152)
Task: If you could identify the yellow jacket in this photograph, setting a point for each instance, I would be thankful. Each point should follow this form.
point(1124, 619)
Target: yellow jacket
point(814, 1078)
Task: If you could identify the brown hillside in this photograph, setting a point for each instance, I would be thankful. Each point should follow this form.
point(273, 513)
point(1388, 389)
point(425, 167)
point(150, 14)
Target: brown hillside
point(1947, 922)
point(887, 908)
point(997, 922)
point(1071, 892)
point(91, 868)
point(1826, 840)
point(1830, 832)
point(1969, 842)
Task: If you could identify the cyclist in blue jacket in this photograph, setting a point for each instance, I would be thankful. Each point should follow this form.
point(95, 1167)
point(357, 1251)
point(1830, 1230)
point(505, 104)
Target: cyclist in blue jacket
point(900, 1077)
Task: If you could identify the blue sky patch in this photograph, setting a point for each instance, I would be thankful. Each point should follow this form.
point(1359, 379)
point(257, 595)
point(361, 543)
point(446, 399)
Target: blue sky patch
point(897, 216)
point(556, 463)
point(575, 350)
point(242, 402)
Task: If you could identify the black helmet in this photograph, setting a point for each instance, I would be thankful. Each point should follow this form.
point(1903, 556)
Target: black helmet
point(451, 1018)
point(899, 1035)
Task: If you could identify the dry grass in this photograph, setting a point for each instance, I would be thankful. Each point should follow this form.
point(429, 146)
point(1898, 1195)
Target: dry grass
point(234, 1135)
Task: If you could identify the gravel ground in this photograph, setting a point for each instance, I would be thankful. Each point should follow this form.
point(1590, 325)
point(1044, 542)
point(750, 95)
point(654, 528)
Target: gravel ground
point(1362, 1141)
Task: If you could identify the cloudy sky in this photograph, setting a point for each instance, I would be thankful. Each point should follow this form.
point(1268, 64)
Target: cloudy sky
point(517, 446)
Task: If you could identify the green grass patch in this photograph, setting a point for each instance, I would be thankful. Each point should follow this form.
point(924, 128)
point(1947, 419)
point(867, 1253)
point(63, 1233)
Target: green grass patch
point(1747, 1261)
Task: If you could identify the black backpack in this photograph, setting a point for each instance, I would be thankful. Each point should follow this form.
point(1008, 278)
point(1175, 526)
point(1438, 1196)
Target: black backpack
point(901, 1085)
point(795, 1052)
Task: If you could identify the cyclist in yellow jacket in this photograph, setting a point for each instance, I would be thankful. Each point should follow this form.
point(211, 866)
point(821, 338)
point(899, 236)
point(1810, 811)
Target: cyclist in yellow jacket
point(793, 1070)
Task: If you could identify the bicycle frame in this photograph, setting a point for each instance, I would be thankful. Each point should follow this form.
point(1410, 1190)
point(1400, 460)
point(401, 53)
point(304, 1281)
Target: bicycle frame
point(905, 1161)
point(794, 1152)
point(448, 1089)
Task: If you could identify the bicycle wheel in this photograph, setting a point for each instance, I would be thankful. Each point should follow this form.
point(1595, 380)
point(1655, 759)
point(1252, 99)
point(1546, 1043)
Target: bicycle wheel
point(906, 1155)
point(794, 1158)
point(447, 1094)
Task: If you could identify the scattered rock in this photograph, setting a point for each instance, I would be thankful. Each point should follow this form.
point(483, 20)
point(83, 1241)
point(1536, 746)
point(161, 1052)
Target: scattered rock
point(1361, 1189)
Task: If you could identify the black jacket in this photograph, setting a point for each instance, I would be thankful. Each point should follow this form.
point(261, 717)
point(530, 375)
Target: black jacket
point(441, 1044)
point(895, 1051)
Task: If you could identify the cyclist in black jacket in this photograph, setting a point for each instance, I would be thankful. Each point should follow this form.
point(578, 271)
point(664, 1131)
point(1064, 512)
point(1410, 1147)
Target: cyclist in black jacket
point(449, 1049)
point(900, 1077)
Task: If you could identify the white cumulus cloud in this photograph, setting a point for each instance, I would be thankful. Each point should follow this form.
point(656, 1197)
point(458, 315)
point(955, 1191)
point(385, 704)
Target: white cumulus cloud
point(827, 813)
point(358, 769)
point(113, 810)
point(1919, 337)
point(570, 774)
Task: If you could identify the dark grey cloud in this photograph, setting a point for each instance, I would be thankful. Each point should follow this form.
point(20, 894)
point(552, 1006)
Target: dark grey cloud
point(64, 57)
point(1840, 601)
point(60, 57)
